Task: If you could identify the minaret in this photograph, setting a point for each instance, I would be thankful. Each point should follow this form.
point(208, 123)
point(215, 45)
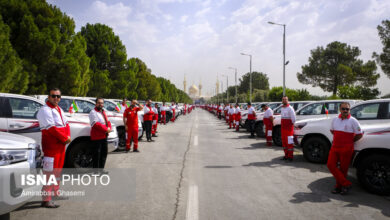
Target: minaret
point(217, 85)
point(185, 84)
point(200, 88)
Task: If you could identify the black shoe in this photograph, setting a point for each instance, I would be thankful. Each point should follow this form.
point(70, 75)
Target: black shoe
point(127, 150)
point(345, 190)
point(289, 160)
point(136, 150)
point(336, 190)
point(154, 135)
point(283, 158)
point(149, 140)
point(49, 204)
point(252, 136)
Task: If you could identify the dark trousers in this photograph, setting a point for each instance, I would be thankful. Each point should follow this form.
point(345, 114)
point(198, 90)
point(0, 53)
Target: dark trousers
point(251, 124)
point(148, 129)
point(99, 153)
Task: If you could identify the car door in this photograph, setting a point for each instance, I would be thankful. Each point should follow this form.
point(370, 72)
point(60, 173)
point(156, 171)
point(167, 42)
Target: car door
point(23, 118)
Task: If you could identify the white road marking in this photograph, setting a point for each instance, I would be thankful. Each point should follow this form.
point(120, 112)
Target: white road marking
point(196, 140)
point(193, 203)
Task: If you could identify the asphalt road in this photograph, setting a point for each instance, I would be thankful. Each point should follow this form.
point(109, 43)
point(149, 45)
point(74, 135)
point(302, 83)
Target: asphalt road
point(199, 169)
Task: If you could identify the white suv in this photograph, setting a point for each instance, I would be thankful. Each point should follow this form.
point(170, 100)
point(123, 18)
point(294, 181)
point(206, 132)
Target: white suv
point(18, 115)
point(314, 136)
point(18, 155)
point(313, 110)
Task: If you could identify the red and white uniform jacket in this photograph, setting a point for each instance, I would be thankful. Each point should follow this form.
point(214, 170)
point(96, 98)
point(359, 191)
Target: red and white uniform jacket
point(54, 126)
point(131, 115)
point(268, 114)
point(99, 124)
point(287, 114)
point(155, 116)
point(344, 130)
point(148, 113)
point(237, 113)
point(220, 108)
point(231, 111)
point(251, 113)
point(163, 110)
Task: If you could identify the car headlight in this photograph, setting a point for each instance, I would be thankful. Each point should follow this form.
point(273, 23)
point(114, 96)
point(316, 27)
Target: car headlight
point(13, 156)
point(299, 126)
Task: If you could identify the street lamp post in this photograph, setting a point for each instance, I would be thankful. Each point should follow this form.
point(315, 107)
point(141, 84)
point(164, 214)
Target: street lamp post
point(227, 87)
point(284, 55)
point(222, 89)
point(235, 80)
point(250, 75)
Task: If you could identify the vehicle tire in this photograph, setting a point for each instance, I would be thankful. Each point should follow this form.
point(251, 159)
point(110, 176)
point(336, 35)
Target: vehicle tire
point(277, 136)
point(122, 137)
point(316, 149)
point(373, 172)
point(259, 128)
point(80, 155)
point(5, 216)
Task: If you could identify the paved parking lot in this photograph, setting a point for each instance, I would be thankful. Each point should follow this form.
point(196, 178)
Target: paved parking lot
point(199, 169)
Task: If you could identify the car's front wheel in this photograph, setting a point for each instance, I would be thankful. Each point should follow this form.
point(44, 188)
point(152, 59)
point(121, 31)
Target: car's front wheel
point(316, 149)
point(373, 172)
point(80, 155)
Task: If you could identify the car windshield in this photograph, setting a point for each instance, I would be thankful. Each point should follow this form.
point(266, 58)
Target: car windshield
point(83, 106)
point(109, 106)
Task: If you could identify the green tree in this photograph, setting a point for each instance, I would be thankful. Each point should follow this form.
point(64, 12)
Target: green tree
point(12, 77)
point(52, 54)
point(384, 58)
point(113, 75)
point(259, 81)
point(357, 92)
point(337, 65)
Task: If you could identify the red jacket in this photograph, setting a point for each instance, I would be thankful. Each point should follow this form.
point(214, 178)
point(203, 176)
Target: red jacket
point(99, 124)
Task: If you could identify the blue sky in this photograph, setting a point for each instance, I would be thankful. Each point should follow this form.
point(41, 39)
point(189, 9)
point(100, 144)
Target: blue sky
point(202, 38)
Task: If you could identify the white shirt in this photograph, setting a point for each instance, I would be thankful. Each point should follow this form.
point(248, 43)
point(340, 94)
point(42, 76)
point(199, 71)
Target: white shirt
point(268, 113)
point(49, 117)
point(231, 111)
point(123, 108)
point(147, 110)
point(95, 116)
point(237, 110)
point(288, 113)
point(251, 110)
point(220, 108)
point(348, 125)
point(155, 110)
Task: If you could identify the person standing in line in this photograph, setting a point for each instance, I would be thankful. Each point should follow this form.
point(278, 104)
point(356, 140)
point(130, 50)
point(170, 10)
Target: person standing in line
point(148, 119)
point(268, 122)
point(237, 117)
point(100, 128)
point(220, 108)
point(173, 108)
point(287, 127)
point(227, 113)
point(155, 120)
point(346, 131)
point(123, 106)
point(163, 114)
point(55, 136)
point(130, 120)
point(251, 119)
point(231, 116)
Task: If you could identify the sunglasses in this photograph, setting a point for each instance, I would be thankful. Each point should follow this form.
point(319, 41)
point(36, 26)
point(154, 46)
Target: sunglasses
point(345, 109)
point(55, 96)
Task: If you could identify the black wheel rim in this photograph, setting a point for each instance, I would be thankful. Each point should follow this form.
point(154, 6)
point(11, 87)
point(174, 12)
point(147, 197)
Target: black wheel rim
point(83, 159)
point(315, 151)
point(377, 174)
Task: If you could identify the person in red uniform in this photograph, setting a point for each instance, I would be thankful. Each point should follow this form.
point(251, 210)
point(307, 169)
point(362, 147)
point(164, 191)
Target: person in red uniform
point(231, 116)
point(148, 119)
point(155, 120)
point(100, 128)
point(237, 117)
point(346, 131)
point(251, 119)
point(287, 126)
point(55, 136)
point(163, 110)
point(268, 120)
point(173, 108)
point(130, 120)
point(123, 105)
